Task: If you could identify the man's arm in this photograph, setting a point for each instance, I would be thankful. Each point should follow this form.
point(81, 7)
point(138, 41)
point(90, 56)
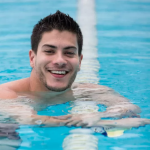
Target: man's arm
point(12, 107)
point(123, 123)
point(117, 105)
point(25, 114)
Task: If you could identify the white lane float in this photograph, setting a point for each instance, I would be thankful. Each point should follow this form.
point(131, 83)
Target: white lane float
point(82, 139)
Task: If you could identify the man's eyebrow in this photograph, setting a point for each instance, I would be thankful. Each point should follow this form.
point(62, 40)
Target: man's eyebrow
point(70, 47)
point(65, 48)
point(48, 45)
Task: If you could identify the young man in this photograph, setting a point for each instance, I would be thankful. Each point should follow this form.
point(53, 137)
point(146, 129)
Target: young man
point(55, 59)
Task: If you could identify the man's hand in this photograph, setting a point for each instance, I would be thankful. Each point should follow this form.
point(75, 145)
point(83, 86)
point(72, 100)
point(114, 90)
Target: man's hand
point(48, 121)
point(94, 119)
point(89, 119)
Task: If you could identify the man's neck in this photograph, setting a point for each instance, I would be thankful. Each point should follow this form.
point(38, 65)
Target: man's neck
point(35, 84)
point(37, 88)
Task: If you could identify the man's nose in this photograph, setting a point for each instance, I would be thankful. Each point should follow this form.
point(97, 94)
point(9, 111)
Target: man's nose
point(59, 60)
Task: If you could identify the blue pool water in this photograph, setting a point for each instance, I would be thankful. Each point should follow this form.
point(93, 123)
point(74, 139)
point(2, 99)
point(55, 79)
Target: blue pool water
point(121, 59)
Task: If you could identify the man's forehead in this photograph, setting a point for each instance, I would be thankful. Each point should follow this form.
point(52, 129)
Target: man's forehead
point(57, 33)
point(56, 37)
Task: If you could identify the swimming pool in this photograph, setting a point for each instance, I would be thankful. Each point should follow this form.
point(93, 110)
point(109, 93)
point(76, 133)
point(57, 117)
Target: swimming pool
point(117, 54)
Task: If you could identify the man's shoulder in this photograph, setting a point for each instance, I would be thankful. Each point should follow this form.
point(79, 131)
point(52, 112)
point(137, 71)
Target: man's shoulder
point(9, 90)
point(6, 93)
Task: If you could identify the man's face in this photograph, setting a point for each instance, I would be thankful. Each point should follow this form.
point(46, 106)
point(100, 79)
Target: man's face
point(57, 61)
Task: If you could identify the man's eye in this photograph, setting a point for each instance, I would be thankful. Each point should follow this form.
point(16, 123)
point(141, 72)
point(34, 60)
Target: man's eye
point(49, 51)
point(69, 53)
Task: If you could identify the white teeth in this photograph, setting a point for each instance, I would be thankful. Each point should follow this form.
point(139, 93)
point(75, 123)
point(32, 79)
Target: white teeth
point(59, 72)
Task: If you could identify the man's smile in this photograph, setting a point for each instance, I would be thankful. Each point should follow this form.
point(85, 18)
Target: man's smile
point(58, 73)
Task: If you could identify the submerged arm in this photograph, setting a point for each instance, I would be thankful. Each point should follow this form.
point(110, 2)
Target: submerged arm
point(117, 105)
point(25, 114)
point(123, 123)
point(22, 110)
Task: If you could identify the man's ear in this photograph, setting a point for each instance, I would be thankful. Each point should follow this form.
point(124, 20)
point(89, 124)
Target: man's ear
point(80, 60)
point(32, 57)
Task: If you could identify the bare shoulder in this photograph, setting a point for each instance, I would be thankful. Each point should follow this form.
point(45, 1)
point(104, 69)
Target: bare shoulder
point(9, 90)
point(6, 93)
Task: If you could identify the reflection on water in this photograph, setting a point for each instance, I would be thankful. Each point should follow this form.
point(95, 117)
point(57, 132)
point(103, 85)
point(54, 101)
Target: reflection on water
point(90, 65)
point(9, 138)
point(80, 139)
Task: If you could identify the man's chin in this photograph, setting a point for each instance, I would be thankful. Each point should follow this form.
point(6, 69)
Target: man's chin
point(57, 89)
